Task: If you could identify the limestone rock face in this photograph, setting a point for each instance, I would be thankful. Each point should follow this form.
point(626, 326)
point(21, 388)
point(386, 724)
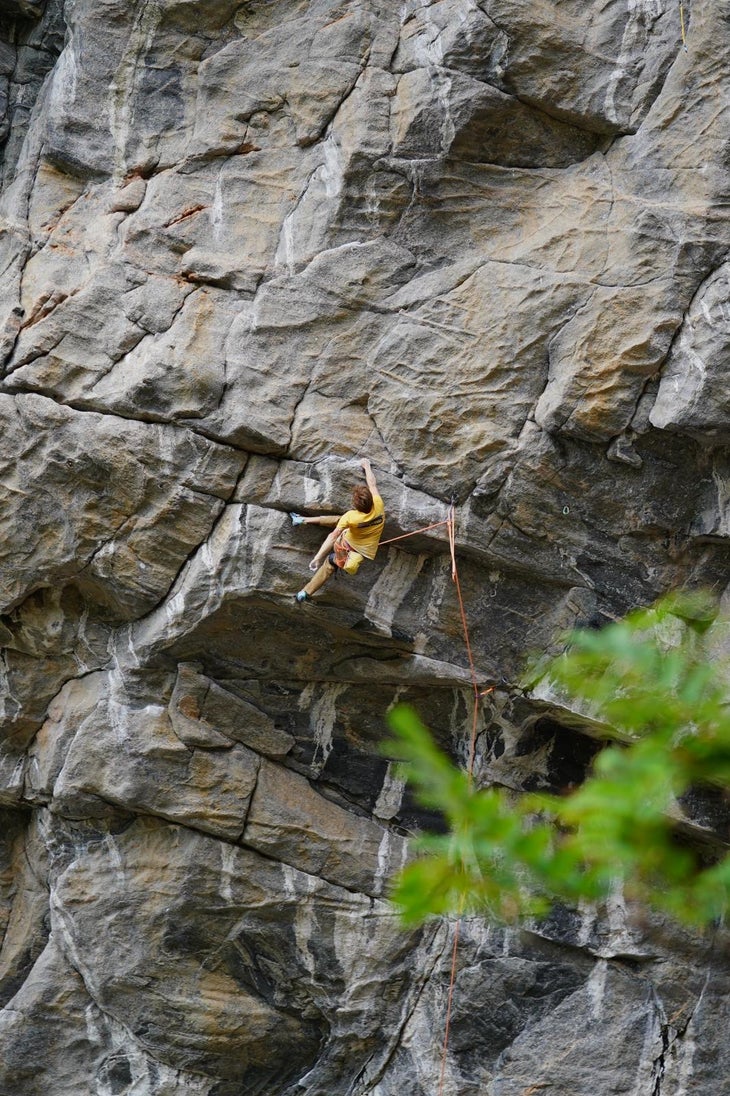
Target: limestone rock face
point(243, 245)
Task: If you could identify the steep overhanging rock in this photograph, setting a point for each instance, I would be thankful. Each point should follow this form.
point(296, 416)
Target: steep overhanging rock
point(243, 245)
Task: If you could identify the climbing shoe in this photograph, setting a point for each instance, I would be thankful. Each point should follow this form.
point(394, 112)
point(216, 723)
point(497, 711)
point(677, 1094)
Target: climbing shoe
point(302, 596)
point(296, 519)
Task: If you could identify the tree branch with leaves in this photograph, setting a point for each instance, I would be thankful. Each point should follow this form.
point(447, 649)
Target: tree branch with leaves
point(649, 680)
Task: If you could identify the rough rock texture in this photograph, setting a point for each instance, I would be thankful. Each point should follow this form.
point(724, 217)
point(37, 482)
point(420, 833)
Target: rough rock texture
point(244, 244)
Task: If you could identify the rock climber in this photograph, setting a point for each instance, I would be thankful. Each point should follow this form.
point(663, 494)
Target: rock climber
point(355, 537)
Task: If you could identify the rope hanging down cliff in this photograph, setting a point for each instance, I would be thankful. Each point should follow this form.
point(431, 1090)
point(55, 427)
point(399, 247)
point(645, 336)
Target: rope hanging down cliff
point(450, 523)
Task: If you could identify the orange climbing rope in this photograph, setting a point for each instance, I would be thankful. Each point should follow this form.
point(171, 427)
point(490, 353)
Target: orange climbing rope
point(465, 629)
point(450, 523)
point(470, 770)
point(415, 531)
point(449, 1003)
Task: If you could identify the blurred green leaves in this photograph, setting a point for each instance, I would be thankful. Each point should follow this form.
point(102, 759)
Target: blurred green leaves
point(512, 856)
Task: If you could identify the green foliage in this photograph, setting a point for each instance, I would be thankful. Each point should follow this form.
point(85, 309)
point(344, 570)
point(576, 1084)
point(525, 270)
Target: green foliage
point(666, 712)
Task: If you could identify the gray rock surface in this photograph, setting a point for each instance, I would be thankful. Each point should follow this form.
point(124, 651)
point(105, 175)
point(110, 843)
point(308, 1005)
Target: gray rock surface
point(243, 245)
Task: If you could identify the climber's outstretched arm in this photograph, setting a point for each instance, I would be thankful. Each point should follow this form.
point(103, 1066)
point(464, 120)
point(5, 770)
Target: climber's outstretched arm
point(369, 477)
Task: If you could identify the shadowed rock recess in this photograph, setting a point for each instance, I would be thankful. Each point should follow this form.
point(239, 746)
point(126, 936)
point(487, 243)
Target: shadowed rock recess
point(244, 244)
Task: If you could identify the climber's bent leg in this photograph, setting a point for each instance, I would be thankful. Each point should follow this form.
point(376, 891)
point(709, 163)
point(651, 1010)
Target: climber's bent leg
point(326, 571)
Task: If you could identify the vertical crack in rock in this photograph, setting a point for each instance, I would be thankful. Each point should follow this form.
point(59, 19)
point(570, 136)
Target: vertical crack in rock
point(371, 1078)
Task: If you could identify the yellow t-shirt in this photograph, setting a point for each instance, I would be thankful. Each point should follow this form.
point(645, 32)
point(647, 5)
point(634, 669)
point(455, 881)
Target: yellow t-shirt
point(364, 530)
